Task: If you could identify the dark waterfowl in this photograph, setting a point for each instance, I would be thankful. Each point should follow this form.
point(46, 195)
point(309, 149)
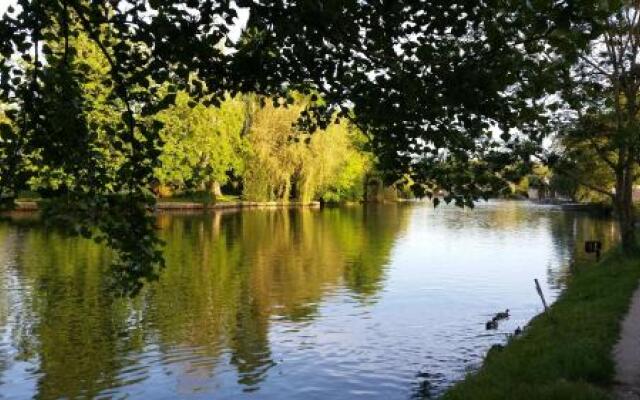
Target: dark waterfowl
point(493, 324)
point(518, 331)
point(502, 315)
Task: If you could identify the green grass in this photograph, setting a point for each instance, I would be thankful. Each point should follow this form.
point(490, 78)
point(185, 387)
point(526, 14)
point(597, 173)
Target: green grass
point(565, 354)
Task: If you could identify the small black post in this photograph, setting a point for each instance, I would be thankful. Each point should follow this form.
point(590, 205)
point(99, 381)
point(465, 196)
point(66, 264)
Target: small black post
point(593, 246)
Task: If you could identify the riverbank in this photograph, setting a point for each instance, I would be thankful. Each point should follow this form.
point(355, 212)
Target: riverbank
point(566, 353)
point(176, 205)
point(184, 204)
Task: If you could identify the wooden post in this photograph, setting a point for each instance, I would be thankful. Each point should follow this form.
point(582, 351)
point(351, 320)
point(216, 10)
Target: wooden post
point(539, 289)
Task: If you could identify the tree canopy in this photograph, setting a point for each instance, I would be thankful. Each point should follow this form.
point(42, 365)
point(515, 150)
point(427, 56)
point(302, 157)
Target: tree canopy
point(200, 144)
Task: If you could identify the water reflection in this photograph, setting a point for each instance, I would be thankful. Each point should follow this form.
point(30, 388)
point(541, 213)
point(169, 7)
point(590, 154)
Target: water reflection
point(232, 273)
point(336, 303)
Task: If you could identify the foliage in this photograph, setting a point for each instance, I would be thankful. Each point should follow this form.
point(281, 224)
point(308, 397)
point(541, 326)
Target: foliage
point(52, 169)
point(539, 178)
point(569, 188)
point(334, 168)
point(429, 80)
point(342, 165)
point(393, 70)
point(201, 144)
point(273, 155)
point(12, 162)
point(284, 161)
point(79, 152)
point(567, 353)
point(580, 172)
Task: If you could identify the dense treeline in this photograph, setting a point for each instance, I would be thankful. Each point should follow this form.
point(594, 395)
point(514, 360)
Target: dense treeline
point(259, 152)
point(244, 146)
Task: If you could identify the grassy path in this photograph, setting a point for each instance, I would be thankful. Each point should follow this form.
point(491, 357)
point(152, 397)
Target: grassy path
point(568, 352)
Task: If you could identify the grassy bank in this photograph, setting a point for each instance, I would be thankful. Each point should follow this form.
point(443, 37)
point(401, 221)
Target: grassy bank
point(565, 354)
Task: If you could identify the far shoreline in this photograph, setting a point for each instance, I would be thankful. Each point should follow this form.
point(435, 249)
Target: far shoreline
point(167, 206)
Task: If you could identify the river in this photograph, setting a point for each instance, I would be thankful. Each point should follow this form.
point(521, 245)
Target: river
point(370, 302)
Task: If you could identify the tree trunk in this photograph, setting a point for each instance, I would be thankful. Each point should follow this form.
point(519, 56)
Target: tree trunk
point(625, 210)
point(213, 188)
point(286, 193)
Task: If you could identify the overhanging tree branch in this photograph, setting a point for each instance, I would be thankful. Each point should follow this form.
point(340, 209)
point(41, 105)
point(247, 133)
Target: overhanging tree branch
point(588, 185)
point(122, 89)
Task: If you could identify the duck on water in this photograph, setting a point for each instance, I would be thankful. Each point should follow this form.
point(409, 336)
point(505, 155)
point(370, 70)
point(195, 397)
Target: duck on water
point(493, 323)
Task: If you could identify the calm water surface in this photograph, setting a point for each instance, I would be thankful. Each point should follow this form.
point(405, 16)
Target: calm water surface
point(385, 302)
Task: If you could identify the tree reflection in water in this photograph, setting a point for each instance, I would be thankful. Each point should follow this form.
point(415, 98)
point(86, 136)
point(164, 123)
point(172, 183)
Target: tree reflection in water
point(228, 276)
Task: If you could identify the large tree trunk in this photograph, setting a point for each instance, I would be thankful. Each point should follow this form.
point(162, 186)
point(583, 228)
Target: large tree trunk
point(624, 209)
point(213, 188)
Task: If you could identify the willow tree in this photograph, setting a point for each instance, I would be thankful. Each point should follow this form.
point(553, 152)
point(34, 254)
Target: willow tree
point(336, 165)
point(284, 161)
point(271, 154)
